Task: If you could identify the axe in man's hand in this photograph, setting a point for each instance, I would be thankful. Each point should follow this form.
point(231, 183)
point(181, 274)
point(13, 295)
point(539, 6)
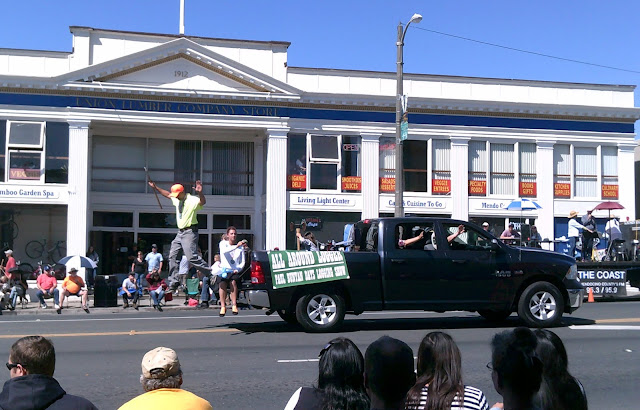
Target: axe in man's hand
point(154, 190)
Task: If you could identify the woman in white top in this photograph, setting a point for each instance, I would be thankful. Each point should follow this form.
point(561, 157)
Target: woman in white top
point(232, 261)
point(573, 232)
point(439, 384)
point(308, 241)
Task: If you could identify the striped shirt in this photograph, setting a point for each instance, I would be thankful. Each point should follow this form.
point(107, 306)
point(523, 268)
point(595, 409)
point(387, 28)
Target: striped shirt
point(474, 399)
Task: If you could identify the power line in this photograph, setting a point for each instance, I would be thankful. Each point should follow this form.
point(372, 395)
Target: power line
point(525, 51)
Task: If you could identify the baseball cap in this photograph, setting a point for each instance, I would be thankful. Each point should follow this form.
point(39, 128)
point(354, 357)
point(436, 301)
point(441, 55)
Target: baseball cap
point(154, 246)
point(485, 224)
point(175, 190)
point(511, 224)
point(8, 251)
point(160, 363)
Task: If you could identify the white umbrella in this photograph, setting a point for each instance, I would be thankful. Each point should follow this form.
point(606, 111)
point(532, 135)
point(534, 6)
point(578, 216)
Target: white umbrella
point(78, 261)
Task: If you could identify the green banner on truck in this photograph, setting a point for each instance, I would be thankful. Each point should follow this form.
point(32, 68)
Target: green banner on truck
point(292, 268)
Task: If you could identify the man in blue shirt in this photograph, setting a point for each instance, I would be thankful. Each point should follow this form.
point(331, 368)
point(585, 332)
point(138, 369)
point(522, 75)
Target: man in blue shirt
point(154, 261)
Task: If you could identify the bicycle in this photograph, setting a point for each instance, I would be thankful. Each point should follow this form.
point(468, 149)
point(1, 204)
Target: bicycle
point(36, 249)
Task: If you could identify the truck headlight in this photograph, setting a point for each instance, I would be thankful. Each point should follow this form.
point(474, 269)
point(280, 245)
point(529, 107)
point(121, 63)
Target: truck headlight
point(572, 273)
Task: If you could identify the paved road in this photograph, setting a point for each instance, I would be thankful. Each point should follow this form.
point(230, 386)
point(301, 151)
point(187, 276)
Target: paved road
point(254, 361)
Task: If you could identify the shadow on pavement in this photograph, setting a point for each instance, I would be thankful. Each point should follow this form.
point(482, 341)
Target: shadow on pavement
point(390, 324)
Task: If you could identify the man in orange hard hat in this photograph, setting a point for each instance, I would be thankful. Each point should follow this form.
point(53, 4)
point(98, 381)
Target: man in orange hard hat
point(187, 207)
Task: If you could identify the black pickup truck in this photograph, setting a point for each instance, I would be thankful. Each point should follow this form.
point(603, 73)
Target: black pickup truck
point(437, 271)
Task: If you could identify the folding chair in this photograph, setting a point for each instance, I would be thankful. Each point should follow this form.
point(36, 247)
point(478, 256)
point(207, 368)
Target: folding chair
point(193, 290)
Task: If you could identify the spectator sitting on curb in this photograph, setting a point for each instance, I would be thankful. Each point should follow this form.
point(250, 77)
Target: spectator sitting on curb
point(388, 372)
point(130, 290)
point(73, 285)
point(32, 362)
point(48, 287)
point(161, 380)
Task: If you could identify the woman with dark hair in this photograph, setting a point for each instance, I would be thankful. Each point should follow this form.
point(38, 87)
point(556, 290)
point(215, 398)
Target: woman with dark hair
point(515, 368)
point(559, 390)
point(439, 384)
point(340, 380)
point(308, 241)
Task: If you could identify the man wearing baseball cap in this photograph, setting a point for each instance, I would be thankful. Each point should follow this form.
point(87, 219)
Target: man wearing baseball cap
point(161, 380)
point(187, 207)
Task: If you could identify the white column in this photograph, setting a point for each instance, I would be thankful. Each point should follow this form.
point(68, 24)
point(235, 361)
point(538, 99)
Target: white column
point(276, 189)
point(77, 208)
point(258, 185)
point(370, 170)
point(460, 177)
point(544, 182)
point(626, 181)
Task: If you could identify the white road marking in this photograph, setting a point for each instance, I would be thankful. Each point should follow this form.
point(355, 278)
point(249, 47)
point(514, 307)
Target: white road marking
point(298, 361)
point(604, 327)
point(121, 318)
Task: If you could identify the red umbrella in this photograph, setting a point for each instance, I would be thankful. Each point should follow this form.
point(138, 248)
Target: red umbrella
point(607, 206)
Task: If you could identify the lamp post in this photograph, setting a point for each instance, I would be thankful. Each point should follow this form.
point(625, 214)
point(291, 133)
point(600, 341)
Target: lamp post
point(399, 190)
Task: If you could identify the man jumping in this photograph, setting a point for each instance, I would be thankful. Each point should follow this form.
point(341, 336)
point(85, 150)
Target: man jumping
point(187, 207)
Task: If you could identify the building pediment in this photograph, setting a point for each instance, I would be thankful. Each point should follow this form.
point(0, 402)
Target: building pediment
point(180, 64)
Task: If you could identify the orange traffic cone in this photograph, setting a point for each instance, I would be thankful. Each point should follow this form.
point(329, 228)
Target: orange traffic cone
point(590, 299)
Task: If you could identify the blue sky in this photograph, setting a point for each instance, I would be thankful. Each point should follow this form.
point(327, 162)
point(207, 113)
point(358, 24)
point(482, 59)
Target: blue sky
point(361, 34)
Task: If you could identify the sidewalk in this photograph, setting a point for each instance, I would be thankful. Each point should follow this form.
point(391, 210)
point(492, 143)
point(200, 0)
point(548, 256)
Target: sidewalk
point(74, 306)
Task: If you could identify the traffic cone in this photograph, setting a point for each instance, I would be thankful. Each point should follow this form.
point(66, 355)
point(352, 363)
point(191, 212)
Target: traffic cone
point(590, 299)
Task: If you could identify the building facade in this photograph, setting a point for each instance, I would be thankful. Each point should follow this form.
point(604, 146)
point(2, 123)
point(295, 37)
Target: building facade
point(276, 145)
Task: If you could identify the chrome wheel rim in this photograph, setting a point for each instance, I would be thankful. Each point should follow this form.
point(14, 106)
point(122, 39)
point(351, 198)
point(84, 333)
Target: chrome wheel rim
point(543, 306)
point(321, 310)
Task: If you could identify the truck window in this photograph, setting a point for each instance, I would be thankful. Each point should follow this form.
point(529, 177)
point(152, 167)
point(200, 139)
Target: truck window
point(365, 236)
point(470, 240)
point(414, 236)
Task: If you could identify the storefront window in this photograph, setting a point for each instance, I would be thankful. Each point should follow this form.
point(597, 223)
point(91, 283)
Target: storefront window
point(118, 164)
point(586, 180)
point(297, 163)
point(25, 150)
point(168, 220)
point(26, 134)
point(527, 186)
point(441, 180)
point(3, 148)
point(562, 171)
point(113, 219)
point(351, 164)
point(224, 221)
point(478, 168)
point(228, 168)
point(187, 158)
point(415, 166)
point(387, 159)
point(56, 164)
point(610, 172)
point(24, 165)
point(502, 169)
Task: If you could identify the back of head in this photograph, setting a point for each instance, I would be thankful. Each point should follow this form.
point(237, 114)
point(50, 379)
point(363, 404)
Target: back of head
point(559, 390)
point(161, 369)
point(515, 361)
point(389, 369)
point(36, 354)
point(439, 366)
point(341, 375)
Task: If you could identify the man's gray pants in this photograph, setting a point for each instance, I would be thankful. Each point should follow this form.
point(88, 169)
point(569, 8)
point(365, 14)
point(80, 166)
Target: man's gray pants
point(187, 240)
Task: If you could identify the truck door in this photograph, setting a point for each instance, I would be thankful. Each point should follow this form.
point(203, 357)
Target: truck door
point(472, 262)
point(413, 267)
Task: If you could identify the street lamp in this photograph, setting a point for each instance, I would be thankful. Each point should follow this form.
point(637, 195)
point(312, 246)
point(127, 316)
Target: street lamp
point(399, 190)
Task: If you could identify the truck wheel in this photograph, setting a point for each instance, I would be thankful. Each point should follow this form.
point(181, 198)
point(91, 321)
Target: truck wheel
point(319, 312)
point(495, 315)
point(288, 316)
point(541, 305)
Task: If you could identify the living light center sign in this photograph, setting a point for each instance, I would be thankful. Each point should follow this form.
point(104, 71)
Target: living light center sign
point(292, 268)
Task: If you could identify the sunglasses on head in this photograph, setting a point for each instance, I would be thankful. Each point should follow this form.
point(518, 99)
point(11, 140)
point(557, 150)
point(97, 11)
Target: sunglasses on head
point(324, 349)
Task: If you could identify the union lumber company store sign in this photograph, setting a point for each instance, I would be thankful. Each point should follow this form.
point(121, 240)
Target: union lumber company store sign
point(291, 268)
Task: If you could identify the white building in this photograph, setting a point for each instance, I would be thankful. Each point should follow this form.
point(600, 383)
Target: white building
point(81, 126)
